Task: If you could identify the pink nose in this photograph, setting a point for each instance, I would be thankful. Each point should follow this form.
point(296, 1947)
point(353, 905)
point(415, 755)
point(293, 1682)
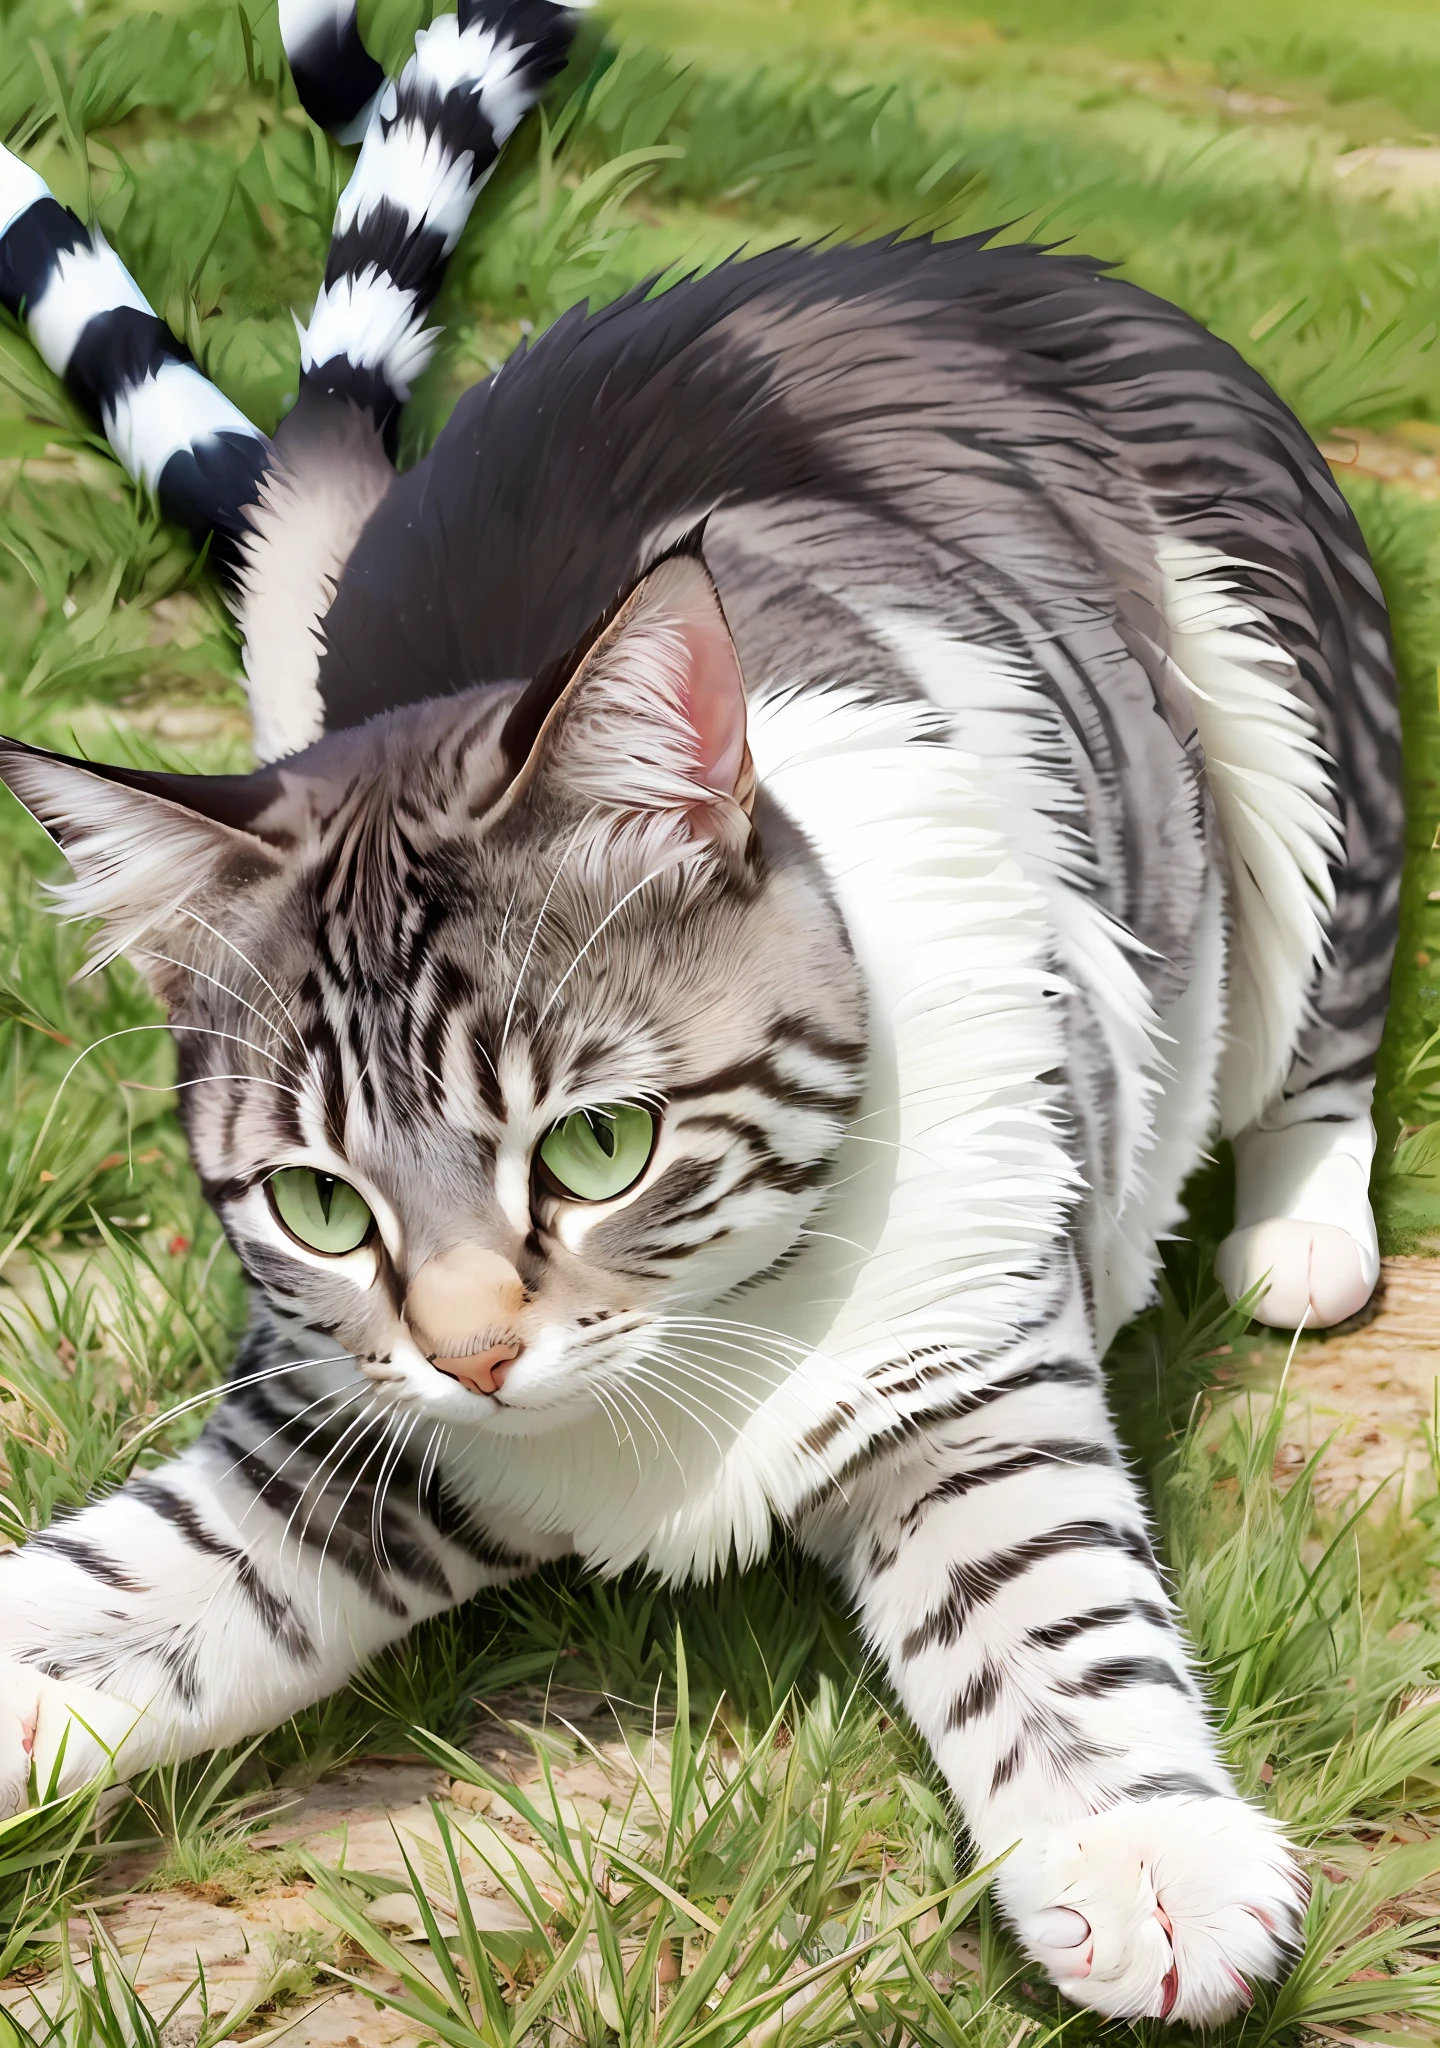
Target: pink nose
point(482, 1371)
point(462, 1307)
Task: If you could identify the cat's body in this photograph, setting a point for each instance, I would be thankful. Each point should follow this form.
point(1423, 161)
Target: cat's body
point(1041, 818)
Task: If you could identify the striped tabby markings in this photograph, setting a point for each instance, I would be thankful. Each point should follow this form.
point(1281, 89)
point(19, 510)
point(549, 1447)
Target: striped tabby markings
point(170, 428)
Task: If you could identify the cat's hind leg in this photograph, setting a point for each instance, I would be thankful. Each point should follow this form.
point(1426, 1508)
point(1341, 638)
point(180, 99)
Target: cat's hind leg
point(1288, 675)
point(1304, 1243)
point(1304, 1231)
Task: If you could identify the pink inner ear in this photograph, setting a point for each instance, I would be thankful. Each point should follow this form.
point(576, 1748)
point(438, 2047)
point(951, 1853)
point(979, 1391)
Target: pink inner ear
point(714, 706)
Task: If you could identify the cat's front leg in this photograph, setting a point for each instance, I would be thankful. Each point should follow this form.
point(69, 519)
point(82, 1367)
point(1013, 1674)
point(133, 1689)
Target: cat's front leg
point(210, 1599)
point(153, 1624)
point(1002, 1565)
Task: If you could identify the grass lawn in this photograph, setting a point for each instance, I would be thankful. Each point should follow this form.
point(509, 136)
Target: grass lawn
point(790, 1850)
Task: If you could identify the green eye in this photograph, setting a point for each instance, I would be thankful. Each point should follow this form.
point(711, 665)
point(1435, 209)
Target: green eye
point(324, 1213)
point(598, 1153)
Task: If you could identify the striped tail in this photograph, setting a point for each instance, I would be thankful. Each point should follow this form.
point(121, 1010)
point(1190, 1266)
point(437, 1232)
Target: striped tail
point(168, 425)
point(336, 77)
point(431, 139)
point(431, 142)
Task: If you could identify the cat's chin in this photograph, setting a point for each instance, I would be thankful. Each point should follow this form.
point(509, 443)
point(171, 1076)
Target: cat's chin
point(503, 1418)
point(536, 1412)
point(540, 1394)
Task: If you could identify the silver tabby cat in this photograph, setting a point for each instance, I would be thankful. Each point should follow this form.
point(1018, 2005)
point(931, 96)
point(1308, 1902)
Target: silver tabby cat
point(782, 842)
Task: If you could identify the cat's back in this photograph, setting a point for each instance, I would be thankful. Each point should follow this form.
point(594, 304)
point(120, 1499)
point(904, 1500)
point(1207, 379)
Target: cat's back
point(974, 474)
point(875, 425)
point(1051, 508)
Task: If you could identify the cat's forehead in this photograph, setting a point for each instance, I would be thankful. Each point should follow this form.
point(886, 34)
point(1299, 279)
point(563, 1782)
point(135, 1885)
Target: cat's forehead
point(558, 960)
point(444, 1043)
point(424, 767)
point(511, 965)
point(402, 891)
point(397, 869)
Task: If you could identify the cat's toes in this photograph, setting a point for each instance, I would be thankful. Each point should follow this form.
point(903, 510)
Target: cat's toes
point(19, 1720)
point(1305, 1231)
point(67, 1733)
point(1313, 1274)
point(1160, 1909)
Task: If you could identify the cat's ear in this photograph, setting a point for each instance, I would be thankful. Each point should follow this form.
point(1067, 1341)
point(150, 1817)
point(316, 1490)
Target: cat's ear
point(143, 847)
point(651, 720)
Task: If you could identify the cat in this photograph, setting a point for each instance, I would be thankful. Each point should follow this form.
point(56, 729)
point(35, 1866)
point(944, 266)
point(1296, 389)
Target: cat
point(778, 845)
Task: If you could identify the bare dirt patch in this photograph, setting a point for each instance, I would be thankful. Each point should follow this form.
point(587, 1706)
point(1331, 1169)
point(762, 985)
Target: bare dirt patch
point(1405, 176)
point(276, 1948)
point(1407, 455)
point(1365, 1398)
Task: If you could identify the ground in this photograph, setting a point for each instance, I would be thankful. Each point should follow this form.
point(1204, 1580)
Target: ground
point(581, 1813)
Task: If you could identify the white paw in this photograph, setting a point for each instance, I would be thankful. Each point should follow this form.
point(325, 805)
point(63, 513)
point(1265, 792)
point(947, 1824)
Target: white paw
point(1314, 1274)
point(67, 1733)
point(1158, 1909)
point(1304, 1228)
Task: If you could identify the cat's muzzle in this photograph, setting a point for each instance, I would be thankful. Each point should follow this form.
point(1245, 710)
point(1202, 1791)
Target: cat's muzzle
point(461, 1307)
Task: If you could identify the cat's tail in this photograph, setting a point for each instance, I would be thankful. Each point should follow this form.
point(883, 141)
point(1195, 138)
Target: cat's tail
point(336, 77)
point(171, 429)
point(431, 139)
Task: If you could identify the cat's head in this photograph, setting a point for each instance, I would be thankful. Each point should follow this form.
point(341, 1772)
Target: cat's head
point(512, 1027)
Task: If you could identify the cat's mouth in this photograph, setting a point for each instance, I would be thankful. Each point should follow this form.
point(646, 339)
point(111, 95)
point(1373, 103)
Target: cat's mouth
point(528, 1380)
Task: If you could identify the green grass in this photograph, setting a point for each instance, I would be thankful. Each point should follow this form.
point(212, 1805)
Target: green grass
point(797, 1820)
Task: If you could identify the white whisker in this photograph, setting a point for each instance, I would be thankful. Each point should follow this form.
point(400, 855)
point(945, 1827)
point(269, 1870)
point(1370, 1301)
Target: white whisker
point(721, 1382)
point(764, 1343)
point(757, 1330)
point(721, 1372)
point(235, 1386)
point(640, 1407)
point(318, 1470)
point(745, 1352)
point(383, 1425)
point(608, 1412)
point(539, 921)
point(195, 918)
point(617, 1393)
point(609, 918)
point(636, 1369)
point(128, 1031)
point(328, 1467)
point(199, 974)
point(669, 1382)
point(428, 1463)
point(199, 1080)
point(343, 1395)
point(382, 1484)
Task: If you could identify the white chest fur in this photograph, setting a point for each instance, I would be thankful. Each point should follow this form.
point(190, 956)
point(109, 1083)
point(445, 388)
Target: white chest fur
point(950, 1186)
